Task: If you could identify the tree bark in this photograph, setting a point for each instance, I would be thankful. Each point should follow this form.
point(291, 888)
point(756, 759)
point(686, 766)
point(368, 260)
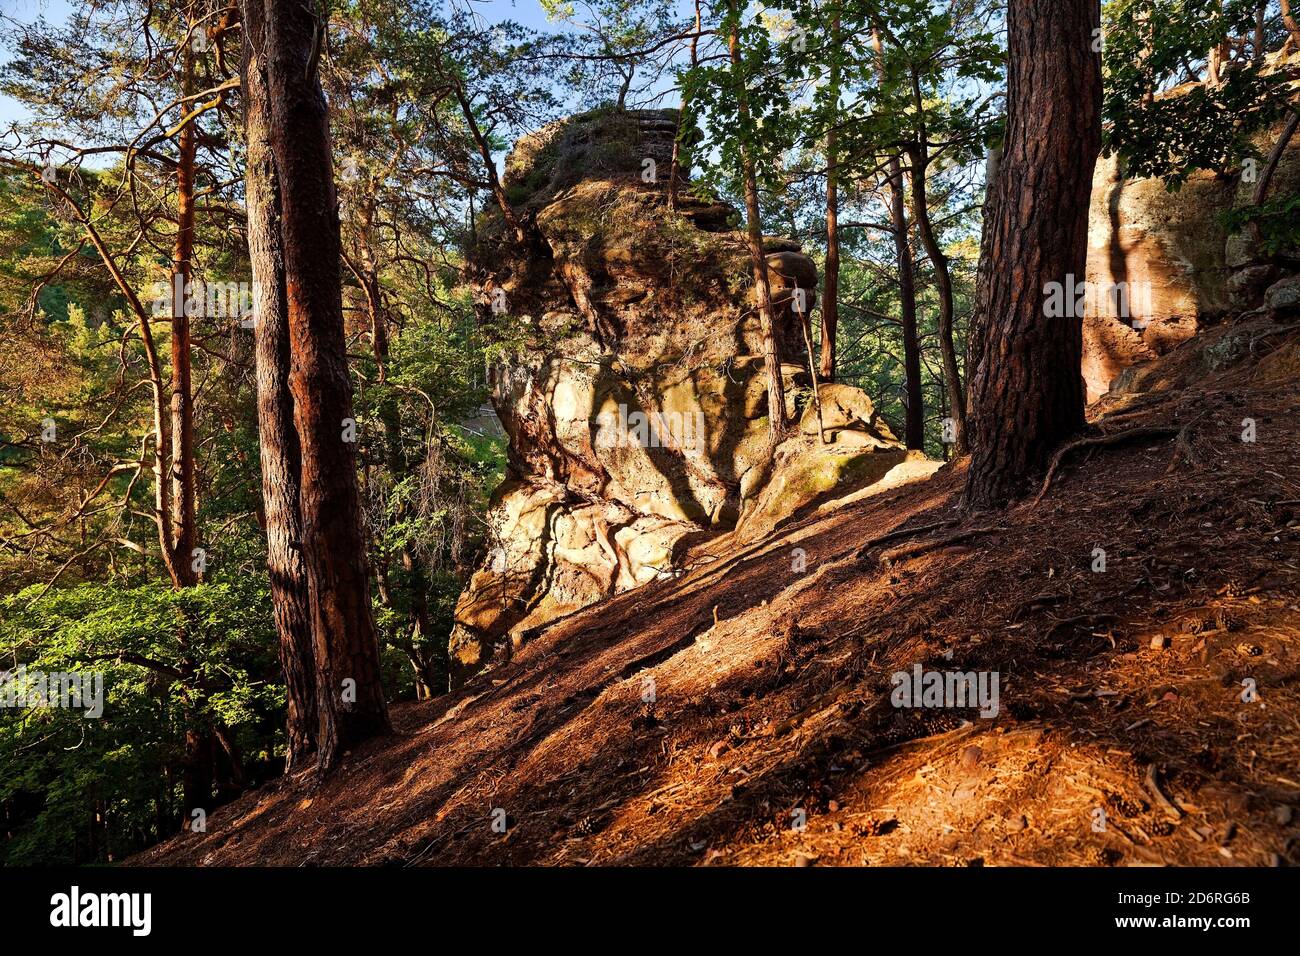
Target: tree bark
point(1028, 391)
point(278, 441)
point(485, 153)
point(988, 216)
point(754, 234)
point(831, 283)
point(197, 774)
point(920, 153)
point(184, 536)
point(914, 426)
point(350, 698)
point(914, 430)
point(1217, 58)
point(675, 169)
point(1289, 21)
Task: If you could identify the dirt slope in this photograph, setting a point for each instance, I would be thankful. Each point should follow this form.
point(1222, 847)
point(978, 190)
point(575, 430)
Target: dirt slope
point(772, 685)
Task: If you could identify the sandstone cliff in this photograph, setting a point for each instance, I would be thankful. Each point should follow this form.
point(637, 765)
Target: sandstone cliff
point(1164, 263)
point(632, 388)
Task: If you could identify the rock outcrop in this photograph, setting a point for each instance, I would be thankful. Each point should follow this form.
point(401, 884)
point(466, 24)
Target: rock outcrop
point(1162, 264)
point(632, 388)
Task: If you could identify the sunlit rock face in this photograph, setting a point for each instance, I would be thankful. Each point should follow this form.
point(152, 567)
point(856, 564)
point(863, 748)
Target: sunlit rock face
point(635, 402)
point(1161, 264)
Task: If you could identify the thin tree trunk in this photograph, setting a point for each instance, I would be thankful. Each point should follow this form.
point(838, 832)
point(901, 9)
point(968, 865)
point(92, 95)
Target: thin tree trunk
point(914, 426)
point(368, 275)
point(943, 279)
point(199, 767)
point(350, 697)
point(1028, 390)
point(485, 153)
point(1217, 58)
point(1289, 21)
point(914, 431)
point(1275, 157)
point(988, 216)
point(1257, 41)
point(184, 535)
point(278, 441)
point(197, 774)
point(831, 283)
point(675, 170)
point(754, 234)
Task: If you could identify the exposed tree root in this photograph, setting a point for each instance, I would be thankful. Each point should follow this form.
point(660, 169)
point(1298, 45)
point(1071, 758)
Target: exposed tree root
point(1151, 431)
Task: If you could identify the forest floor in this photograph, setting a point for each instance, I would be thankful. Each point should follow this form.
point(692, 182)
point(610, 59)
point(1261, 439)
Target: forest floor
point(1120, 690)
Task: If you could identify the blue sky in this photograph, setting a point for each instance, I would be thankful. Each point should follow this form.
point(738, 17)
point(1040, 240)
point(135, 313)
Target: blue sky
point(25, 11)
point(527, 12)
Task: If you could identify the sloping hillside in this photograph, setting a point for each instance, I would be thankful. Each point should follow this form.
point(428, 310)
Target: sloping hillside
point(1120, 690)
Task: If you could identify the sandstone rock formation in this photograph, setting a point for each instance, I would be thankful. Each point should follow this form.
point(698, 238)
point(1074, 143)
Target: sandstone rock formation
point(632, 388)
point(1163, 265)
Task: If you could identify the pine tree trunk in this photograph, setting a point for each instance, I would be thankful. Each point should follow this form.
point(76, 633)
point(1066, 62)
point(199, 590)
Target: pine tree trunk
point(197, 774)
point(489, 165)
point(675, 169)
point(758, 262)
point(349, 694)
point(1292, 26)
point(184, 536)
point(831, 283)
point(183, 533)
point(1027, 391)
point(914, 431)
point(914, 428)
point(943, 282)
point(278, 441)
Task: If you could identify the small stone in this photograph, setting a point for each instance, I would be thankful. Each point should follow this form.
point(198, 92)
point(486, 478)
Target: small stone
point(1159, 642)
point(1283, 814)
point(1283, 296)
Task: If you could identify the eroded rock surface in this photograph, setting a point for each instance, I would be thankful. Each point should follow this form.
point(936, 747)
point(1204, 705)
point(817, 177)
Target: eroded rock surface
point(1162, 264)
point(635, 403)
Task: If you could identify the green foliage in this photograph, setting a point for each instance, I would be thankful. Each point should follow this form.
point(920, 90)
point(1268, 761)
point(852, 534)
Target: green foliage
point(1277, 220)
point(1149, 46)
point(62, 767)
